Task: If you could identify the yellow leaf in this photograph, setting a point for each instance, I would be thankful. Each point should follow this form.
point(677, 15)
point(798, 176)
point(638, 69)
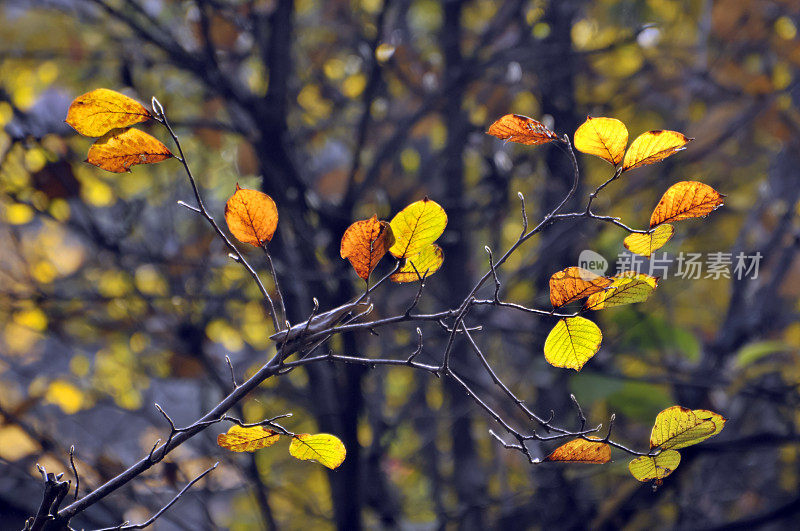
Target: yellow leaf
point(99, 111)
point(572, 342)
point(240, 439)
point(364, 243)
point(252, 216)
point(646, 468)
point(119, 149)
point(626, 288)
point(428, 260)
point(582, 451)
point(684, 200)
point(417, 226)
point(653, 146)
point(65, 395)
point(323, 448)
point(646, 244)
point(521, 129)
point(677, 427)
point(603, 137)
point(575, 283)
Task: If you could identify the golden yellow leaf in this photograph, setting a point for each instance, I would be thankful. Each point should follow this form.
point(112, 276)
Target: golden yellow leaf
point(575, 283)
point(572, 342)
point(323, 448)
point(646, 244)
point(652, 147)
point(521, 129)
point(119, 149)
point(364, 243)
point(240, 439)
point(417, 226)
point(646, 468)
point(625, 288)
point(252, 216)
point(603, 137)
point(582, 451)
point(684, 200)
point(99, 111)
point(677, 427)
point(428, 260)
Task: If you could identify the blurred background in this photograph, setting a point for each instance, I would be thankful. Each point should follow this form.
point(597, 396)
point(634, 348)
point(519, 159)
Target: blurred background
point(112, 297)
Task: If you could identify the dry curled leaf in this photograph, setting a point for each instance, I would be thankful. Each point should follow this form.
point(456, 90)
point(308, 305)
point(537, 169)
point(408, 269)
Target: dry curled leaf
point(421, 265)
point(101, 110)
point(582, 451)
point(240, 439)
point(602, 137)
point(652, 147)
point(572, 342)
point(364, 243)
point(323, 448)
point(575, 283)
point(417, 226)
point(646, 244)
point(119, 149)
point(684, 200)
point(252, 216)
point(521, 129)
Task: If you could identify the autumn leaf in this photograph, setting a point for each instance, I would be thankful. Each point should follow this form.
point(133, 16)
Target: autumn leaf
point(101, 110)
point(323, 448)
point(677, 427)
point(240, 439)
point(521, 129)
point(652, 147)
point(646, 468)
point(603, 137)
point(575, 283)
point(364, 243)
point(582, 451)
point(119, 149)
point(572, 342)
point(417, 226)
point(626, 288)
point(427, 261)
point(684, 200)
point(646, 244)
point(252, 216)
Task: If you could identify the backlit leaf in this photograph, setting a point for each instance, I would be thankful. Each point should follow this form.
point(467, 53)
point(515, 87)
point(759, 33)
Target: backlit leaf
point(99, 111)
point(240, 439)
point(677, 427)
point(572, 342)
point(603, 137)
point(417, 226)
point(646, 468)
point(252, 216)
point(684, 200)
point(364, 243)
point(627, 288)
point(653, 146)
point(119, 149)
point(428, 260)
point(582, 451)
point(575, 283)
point(323, 448)
point(521, 129)
point(646, 244)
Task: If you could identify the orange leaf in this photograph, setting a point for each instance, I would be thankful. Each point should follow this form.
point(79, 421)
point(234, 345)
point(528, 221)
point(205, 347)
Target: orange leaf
point(119, 149)
point(99, 111)
point(575, 283)
point(425, 263)
point(582, 451)
point(521, 129)
point(686, 199)
point(653, 146)
point(240, 439)
point(603, 137)
point(252, 216)
point(364, 243)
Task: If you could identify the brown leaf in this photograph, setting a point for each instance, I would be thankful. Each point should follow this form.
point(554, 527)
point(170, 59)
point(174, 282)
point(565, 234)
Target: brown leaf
point(582, 451)
point(364, 244)
point(575, 283)
point(252, 216)
point(119, 149)
point(521, 129)
point(686, 199)
point(99, 111)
